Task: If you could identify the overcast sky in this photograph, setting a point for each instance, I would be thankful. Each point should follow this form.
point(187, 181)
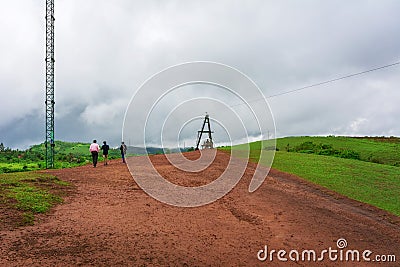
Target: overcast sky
point(106, 49)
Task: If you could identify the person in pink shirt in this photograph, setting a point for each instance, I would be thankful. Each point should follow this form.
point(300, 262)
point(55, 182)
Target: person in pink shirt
point(94, 149)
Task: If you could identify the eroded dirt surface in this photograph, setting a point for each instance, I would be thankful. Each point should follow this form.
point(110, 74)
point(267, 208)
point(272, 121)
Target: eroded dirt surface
point(110, 221)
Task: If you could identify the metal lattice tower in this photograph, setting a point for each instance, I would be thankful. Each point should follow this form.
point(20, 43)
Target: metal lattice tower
point(199, 133)
point(49, 143)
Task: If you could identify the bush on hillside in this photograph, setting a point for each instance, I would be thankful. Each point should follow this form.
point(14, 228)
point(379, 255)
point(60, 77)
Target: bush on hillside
point(324, 149)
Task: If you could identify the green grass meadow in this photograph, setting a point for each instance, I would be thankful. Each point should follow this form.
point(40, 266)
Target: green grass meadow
point(364, 180)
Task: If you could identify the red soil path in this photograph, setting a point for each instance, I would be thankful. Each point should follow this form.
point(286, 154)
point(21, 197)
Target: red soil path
point(110, 221)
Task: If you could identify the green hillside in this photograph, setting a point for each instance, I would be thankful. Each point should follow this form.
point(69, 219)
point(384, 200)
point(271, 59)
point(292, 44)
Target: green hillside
point(66, 154)
point(360, 179)
point(372, 149)
point(77, 149)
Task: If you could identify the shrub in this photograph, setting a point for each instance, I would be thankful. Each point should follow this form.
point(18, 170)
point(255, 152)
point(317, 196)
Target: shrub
point(326, 150)
point(271, 148)
point(376, 160)
point(349, 154)
point(306, 146)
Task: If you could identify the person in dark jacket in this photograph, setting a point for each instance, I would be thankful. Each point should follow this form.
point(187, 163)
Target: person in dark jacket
point(105, 149)
point(123, 149)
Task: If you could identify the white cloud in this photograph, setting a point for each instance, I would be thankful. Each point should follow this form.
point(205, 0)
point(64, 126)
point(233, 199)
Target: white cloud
point(355, 126)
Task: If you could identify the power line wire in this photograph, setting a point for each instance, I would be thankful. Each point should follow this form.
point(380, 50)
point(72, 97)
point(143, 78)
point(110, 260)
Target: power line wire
point(324, 82)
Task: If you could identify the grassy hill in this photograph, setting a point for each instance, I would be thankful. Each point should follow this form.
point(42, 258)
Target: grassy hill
point(373, 149)
point(362, 179)
point(66, 154)
point(77, 149)
point(382, 150)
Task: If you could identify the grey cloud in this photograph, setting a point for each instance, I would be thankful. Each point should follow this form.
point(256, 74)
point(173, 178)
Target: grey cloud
point(105, 50)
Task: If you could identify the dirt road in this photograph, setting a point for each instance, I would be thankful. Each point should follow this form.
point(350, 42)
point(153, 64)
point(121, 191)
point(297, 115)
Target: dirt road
point(110, 221)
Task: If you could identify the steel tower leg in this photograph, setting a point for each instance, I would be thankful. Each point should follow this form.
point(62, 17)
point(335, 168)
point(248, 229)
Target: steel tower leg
point(49, 143)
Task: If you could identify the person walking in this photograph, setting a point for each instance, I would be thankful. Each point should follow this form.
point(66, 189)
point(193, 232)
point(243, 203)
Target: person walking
point(105, 149)
point(123, 151)
point(94, 149)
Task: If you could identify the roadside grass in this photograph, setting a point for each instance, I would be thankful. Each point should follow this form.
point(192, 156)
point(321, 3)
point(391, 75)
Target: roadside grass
point(375, 184)
point(25, 194)
point(19, 167)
